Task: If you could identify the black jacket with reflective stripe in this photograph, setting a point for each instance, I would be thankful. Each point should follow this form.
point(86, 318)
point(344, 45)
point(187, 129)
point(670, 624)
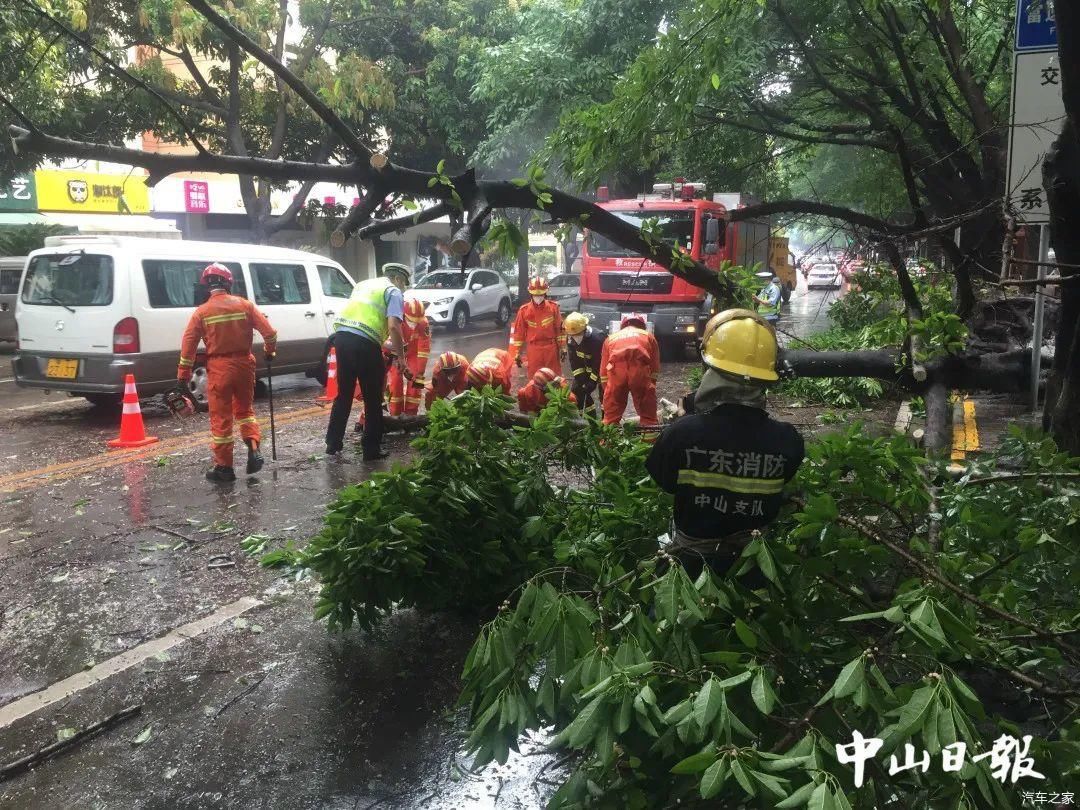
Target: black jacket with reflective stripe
point(585, 358)
point(726, 468)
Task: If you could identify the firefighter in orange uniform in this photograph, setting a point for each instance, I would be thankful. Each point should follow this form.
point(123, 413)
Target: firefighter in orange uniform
point(533, 397)
point(538, 328)
point(629, 365)
point(405, 393)
point(491, 367)
point(225, 324)
point(447, 377)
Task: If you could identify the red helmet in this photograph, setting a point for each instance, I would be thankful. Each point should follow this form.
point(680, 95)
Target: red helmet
point(452, 361)
point(479, 376)
point(218, 271)
point(632, 319)
point(538, 286)
point(414, 309)
point(544, 376)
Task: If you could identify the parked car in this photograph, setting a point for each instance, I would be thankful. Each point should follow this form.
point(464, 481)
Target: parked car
point(823, 275)
point(454, 298)
point(565, 290)
point(95, 308)
point(11, 268)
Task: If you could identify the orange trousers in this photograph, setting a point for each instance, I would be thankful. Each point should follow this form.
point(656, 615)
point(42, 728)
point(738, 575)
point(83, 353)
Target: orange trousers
point(542, 355)
point(230, 390)
point(404, 396)
point(630, 380)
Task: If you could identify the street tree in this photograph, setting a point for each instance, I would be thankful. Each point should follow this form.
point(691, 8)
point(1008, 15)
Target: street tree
point(1061, 176)
point(190, 83)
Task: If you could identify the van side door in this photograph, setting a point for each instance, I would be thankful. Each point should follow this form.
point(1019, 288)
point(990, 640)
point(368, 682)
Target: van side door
point(163, 302)
point(336, 288)
point(283, 292)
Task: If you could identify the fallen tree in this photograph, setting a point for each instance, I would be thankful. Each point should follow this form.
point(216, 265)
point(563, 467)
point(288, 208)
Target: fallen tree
point(726, 691)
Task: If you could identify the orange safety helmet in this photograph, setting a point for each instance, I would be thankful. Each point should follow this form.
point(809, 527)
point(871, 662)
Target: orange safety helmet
point(538, 286)
point(479, 376)
point(219, 271)
point(414, 310)
point(544, 377)
point(631, 318)
point(451, 361)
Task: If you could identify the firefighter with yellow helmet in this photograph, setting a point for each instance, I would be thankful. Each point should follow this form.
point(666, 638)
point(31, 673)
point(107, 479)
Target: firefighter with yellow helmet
point(726, 462)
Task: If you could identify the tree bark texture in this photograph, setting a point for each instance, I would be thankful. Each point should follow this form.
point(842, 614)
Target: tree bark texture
point(1061, 179)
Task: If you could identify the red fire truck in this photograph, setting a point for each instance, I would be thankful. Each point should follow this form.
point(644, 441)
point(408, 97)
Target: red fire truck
point(615, 280)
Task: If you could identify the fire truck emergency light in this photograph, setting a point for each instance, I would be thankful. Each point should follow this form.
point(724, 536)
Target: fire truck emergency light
point(602, 194)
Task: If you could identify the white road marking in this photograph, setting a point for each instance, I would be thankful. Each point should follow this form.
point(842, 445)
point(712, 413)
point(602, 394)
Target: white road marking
point(903, 417)
point(7, 379)
point(64, 689)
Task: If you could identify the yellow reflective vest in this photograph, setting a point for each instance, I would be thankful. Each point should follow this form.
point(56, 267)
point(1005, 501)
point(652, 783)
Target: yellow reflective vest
point(366, 310)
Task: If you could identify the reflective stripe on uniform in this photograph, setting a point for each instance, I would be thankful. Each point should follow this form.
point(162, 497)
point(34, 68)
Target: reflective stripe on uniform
point(228, 316)
point(247, 420)
point(753, 486)
point(186, 363)
point(221, 439)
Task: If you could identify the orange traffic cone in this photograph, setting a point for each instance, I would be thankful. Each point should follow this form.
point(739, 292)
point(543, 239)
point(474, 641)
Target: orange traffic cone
point(330, 394)
point(132, 432)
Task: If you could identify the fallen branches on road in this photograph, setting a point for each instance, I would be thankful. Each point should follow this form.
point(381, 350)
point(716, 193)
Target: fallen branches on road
point(30, 760)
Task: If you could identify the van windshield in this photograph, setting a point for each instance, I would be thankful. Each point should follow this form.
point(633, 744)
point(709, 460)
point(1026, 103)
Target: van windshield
point(442, 281)
point(69, 280)
point(674, 226)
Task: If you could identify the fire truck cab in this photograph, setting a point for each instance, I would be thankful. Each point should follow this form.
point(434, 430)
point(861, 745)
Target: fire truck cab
point(614, 280)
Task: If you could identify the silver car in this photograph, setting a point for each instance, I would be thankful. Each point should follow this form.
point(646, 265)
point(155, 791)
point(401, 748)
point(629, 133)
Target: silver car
point(565, 290)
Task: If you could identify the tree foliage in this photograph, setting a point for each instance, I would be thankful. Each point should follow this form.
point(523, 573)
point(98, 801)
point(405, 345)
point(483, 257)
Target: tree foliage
point(913, 616)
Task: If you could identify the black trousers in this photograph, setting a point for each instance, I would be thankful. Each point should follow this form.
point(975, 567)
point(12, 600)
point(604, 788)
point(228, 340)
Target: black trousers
point(583, 390)
point(358, 359)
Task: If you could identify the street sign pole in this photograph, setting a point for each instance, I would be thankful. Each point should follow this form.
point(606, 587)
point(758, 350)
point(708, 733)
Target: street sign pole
point(1037, 325)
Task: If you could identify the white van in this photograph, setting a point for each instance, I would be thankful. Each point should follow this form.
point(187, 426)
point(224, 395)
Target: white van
point(94, 308)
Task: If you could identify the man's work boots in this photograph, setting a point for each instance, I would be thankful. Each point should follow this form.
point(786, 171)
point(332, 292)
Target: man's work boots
point(221, 475)
point(255, 459)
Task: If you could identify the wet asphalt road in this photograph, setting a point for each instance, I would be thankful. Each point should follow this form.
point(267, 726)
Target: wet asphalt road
point(101, 553)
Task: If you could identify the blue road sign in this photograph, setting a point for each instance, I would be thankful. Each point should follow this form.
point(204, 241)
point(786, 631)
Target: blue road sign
point(1036, 29)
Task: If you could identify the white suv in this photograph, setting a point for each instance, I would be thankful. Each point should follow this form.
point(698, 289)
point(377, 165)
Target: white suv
point(455, 298)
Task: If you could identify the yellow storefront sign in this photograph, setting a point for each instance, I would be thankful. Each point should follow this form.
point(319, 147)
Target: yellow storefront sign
point(90, 192)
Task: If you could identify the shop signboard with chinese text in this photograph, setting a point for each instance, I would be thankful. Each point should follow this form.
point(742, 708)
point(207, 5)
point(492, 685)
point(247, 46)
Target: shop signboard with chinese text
point(18, 194)
point(196, 197)
point(89, 192)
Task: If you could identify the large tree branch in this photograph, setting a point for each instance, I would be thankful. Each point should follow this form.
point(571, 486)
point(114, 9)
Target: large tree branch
point(815, 138)
point(403, 223)
point(317, 105)
point(197, 75)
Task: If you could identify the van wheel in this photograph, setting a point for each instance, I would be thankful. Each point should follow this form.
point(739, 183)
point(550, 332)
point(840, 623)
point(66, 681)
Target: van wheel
point(502, 317)
point(198, 386)
point(461, 317)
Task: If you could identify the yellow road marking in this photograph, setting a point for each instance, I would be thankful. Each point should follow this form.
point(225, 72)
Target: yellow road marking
point(113, 458)
point(965, 434)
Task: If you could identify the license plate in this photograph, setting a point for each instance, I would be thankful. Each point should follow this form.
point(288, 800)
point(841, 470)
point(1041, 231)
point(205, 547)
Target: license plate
point(62, 369)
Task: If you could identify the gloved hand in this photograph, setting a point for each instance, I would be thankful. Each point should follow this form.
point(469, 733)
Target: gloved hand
point(518, 360)
point(562, 355)
point(183, 377)
point(417, 382)
point(270, 355)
